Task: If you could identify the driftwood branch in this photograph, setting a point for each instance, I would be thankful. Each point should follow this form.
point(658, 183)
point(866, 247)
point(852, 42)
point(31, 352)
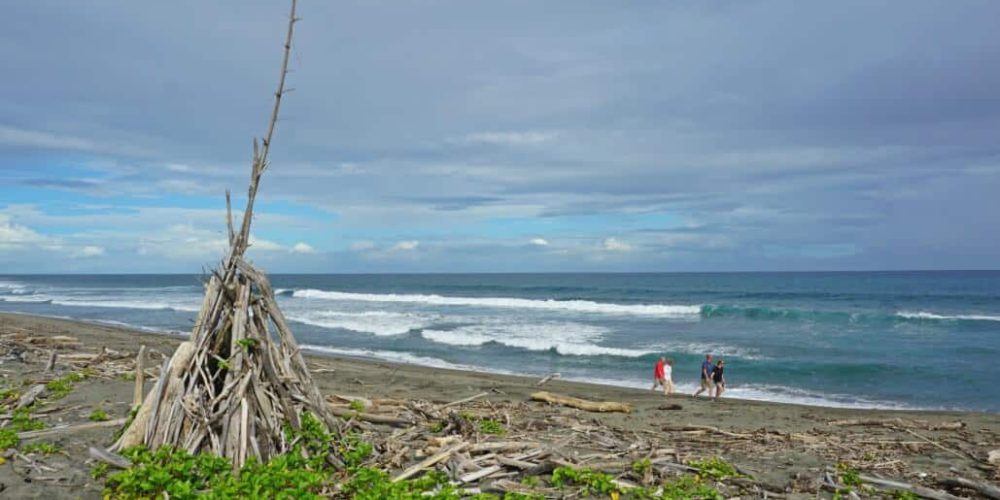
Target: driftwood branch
point(582, 404)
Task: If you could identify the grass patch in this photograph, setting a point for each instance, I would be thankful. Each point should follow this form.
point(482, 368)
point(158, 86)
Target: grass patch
point(59, 388)
point(593, 483)
point(357, 405)
point(20, 421)
point(99, 415)
point(490, 426)
point(42, 447)
point(714, 468)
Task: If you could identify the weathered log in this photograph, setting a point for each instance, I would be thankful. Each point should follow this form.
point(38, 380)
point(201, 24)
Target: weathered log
point(984, 489)
point(370, 417)
point(109, 458)
point(70, 428)
point(465, 400)
point(167, 385)
point(429, 462)
point(51, 364)
point(140, 375)
point(546, 379)
point(582, 404)
point(29, 396)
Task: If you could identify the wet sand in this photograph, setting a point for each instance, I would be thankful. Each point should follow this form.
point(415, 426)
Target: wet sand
point(790, 442)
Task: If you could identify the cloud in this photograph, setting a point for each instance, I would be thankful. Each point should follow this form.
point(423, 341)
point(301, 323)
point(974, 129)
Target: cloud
point(615, 245)
point(18, 236)
point(362, 245)
point(89, 251)
point(511, 138)
point(303, 248)
point(406, 246)
point(539, 242)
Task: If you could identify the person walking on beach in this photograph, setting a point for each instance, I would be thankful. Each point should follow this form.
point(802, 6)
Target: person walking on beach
point(659, 374)
point(668, 377)
point(719, 378)
point(706, 376)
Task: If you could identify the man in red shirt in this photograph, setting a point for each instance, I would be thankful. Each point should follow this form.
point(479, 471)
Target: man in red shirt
point(660, 376)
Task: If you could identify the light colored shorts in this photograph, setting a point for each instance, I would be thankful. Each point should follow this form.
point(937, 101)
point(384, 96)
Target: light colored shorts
point(668, 386)
point(707, 384)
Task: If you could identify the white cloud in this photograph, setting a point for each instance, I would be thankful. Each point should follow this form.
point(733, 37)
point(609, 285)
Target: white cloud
point(511, 138)
point(89, 251)
point(541, 242)
point(407, 245)
point(302, 247)
point(615, 245)
point(362, 245)
point(14, 235)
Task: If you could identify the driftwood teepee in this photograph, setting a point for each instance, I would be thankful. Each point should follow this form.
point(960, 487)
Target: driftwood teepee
point(240, 379)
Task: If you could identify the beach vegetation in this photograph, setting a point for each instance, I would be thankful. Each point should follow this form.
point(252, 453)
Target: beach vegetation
point(247, 343)
point(851, 479)
point(531, 481)
point(642, 467)
point(357, 405)
point(99, 415)
point(714, 468)
point(9, 394)
point(437, 426)
point(590, 482)
point(598, 483)
point(21, 421)
point(8, 438)
point(904, 495)
point(59, 388)
point(490, 426)
point(42, 447)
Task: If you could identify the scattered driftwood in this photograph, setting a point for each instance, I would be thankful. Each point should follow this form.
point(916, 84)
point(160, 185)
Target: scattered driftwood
point(29, 396)
point(899, 423)
point(71, 428)
point(466, 400)
point(984, 489)
point(547, 378)
point(114, 459)
point(429, 462)
point(912, 488)
point(51, 363)
point(140, 375)
point(370, 417)
point(581, 404)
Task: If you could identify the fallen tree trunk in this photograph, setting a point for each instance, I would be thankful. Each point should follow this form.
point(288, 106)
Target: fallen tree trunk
point(582, 404)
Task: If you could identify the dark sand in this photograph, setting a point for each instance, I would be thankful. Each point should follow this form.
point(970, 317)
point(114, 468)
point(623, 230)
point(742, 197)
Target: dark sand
point(798, 444)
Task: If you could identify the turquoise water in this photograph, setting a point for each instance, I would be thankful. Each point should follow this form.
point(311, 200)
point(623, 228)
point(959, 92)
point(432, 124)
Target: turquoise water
point(907, 340)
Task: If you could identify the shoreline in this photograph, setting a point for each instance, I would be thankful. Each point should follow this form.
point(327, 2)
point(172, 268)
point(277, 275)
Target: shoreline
point(329, 352)
point(785, 445)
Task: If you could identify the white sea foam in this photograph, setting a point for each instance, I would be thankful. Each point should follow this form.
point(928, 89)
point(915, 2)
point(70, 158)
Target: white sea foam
point(133, 326)
point(942, 317)
point(399, 357)
point(761, 392)
point(126, 304)
point(572, 339)
point(380, 323)
point(578, 306)
point(30, 299)
point(716, 349)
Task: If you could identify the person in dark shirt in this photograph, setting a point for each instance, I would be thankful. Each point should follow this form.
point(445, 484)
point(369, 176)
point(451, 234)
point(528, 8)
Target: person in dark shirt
point(706, 376)
point(719, 378)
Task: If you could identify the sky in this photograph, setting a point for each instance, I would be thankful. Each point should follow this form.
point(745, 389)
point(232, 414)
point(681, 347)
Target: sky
point(518, 136)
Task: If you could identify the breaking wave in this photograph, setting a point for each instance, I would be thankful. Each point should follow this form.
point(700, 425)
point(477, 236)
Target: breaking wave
point(578, 306)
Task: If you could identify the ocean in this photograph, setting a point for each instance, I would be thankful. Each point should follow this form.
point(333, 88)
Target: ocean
point(908, 340)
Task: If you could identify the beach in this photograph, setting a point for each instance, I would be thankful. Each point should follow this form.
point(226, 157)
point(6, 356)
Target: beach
point(785, 446)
